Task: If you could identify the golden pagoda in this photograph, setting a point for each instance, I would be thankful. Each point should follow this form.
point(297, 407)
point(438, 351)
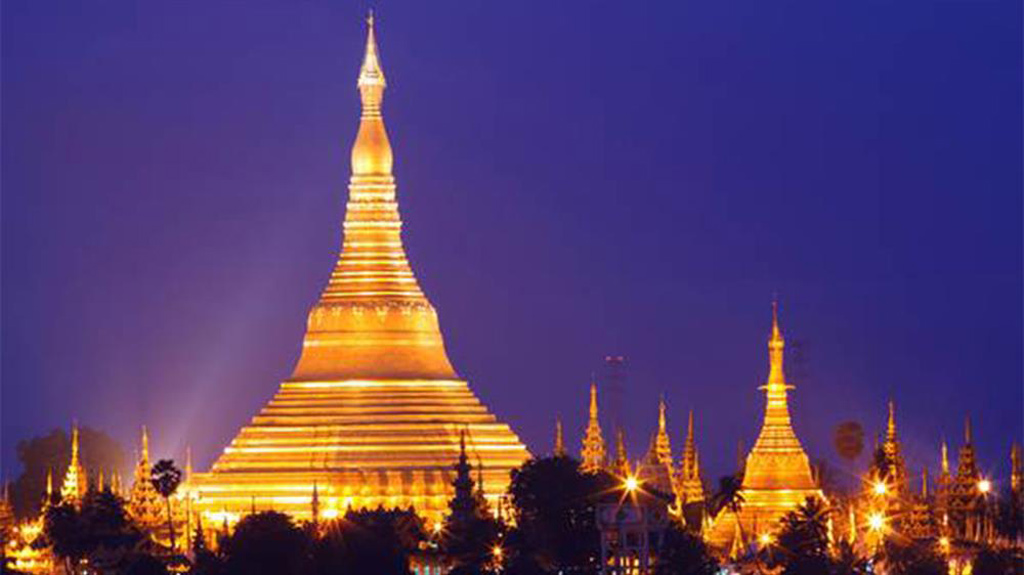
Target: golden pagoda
point(592, 454)
point(689, 485)
point(373, 411)
point(777, 475)
point(144, 504)
point(75, 482)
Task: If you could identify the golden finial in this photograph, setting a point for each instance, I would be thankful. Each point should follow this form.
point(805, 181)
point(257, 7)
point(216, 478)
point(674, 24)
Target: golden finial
point(74, 443)
point(593, 400)
point(891, 427)
point(371, 74)
point(559, 439)
point(145, 444)
point(661, 414)
point(776, 332)
point(968, 436)
point(945, 457)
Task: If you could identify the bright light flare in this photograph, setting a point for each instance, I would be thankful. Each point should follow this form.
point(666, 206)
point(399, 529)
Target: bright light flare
point(330, 513)
point(765, 539)
point(876, 521)
point(631, 484)
point(880, 488)
point(498, 552)
point(984, 486)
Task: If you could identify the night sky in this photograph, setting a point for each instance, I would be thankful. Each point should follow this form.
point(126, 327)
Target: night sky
point(577, 180)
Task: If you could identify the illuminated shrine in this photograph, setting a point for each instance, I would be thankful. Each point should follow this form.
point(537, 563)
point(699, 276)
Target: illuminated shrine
point(373, 412)
point(777, 476)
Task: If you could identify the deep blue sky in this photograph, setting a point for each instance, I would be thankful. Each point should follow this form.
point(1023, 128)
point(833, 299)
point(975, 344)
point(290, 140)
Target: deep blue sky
point(577, 179)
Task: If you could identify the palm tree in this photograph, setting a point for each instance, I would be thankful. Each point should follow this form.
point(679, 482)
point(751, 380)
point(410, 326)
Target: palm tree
point(166, 478)
point(849, 562)
point(730, 496)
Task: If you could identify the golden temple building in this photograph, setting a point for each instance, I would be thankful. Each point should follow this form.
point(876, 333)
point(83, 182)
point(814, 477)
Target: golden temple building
point(777, 474)
point(373, 412)
point(75, 481)
point(592, 452)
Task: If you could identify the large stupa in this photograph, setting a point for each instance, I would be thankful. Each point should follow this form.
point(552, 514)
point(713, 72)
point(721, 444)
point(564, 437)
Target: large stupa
point(777, 475)
point(373, 413)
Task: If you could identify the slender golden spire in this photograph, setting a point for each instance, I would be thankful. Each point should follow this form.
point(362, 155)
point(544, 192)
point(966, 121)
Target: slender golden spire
point(559, 450)
point(968, 435)
point(690, 486)
point(776, 345)
point(924, 482)
point(1016, 469)
point(891, 427)
point(188, 463)
point(592, 454)
point(945, 458)
point(621, 465)
point(664, 447)
point(144, 455)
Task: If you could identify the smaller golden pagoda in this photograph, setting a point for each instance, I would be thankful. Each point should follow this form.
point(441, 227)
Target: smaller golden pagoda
point(689, 485)
point(144, 504)
point(75, 482)
point(777, 475)
point(559, 449)
point(592, 455)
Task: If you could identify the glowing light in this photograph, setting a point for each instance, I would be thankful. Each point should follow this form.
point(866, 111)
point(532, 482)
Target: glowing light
point(876, 522)
point(984, 486)
point(437, 527)
point(880, 488)
point(944, 543)
point(631, 484)
point(330, 513)
point(765, 539)
point(498, 552)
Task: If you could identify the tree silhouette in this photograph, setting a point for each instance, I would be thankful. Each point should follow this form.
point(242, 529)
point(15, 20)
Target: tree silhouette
point(166, 478)
point(266, 542)
point(803, 539)
point(683, 553)
point(729, 496)
point(554, 507)
point(848, 562)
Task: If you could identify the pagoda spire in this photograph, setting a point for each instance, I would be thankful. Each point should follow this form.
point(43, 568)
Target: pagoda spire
point(1016, 470)
point(372, 320)
point(75, 483)
point(897, 471)
point(621, 463)
point(777, 450)
point(559, 450)
point(691, 486)
point(592, 455)
point(945, 458)
point(144, 504)
point(664, 448)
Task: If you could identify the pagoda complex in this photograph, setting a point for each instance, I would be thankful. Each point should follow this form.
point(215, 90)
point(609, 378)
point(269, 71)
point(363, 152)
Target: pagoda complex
point(777, 474)
point(373, 413)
